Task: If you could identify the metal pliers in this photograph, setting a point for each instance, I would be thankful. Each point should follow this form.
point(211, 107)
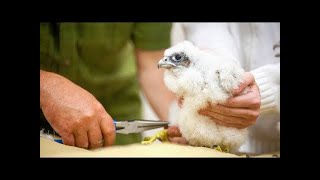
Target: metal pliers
point(137, 125)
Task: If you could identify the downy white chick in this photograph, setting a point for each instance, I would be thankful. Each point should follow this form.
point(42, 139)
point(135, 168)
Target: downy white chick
point(201, 77)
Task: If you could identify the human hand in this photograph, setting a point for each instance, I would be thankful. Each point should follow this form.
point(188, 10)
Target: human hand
point(175, 136)
point(240, 111)
point(74, 113)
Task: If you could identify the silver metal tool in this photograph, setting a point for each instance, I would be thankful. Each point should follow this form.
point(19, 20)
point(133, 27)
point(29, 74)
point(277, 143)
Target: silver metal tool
point(137, 125)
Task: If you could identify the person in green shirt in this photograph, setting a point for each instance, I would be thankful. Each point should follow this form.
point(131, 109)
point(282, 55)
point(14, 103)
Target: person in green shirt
point(91, 73)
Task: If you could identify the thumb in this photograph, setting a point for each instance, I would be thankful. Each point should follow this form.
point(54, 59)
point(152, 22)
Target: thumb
point(248, 80)
point(173, 131)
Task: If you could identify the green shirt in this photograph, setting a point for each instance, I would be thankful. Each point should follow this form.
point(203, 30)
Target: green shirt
point(100, 58)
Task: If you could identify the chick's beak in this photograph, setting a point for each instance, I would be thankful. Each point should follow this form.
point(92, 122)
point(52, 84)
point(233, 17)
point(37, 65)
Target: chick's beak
point(165, 63)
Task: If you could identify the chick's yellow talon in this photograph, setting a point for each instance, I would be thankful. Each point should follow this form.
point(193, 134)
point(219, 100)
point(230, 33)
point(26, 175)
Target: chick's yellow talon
point(161, 136)
point(218, 148)
point(146, 138)
point(226, 150)
point(221, 148)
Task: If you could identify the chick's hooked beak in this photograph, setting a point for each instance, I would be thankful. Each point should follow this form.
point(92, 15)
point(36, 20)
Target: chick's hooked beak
point(165, 63)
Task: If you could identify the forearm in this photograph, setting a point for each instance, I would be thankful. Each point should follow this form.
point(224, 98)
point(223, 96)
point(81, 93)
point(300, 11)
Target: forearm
point(43, 75)
point(47, 83)
point(160, 98)
point(151, 81)
point(50, 83)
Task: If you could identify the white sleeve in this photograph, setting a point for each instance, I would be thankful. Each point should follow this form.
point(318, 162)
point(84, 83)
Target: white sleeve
point(268, 79)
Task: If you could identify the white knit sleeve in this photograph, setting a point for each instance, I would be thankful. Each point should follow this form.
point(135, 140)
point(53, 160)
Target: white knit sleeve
point(268, 79)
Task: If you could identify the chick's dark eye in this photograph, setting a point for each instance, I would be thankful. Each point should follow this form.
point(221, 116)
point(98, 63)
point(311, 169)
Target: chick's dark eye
point(177, 57)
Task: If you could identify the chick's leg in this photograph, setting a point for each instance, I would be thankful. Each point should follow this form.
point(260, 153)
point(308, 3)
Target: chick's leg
point(217, 147)
point(161, 135)
point(223, 149)
point(226, 149)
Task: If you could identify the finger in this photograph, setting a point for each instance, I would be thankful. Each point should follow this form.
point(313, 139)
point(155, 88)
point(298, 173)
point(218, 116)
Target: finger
point(178, 140)
point(224, 118)
point(108, 130)
point(235, 112)
point(249, 100)
point(248, 79)
point(173, 131)
point(68, 139)
point(81, 138)
point(221, 123)
point(95, 137)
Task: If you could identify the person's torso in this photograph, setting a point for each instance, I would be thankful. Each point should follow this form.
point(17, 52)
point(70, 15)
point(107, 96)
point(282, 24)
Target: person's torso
point(99, 57)
point(255, 42)
point(250, 43)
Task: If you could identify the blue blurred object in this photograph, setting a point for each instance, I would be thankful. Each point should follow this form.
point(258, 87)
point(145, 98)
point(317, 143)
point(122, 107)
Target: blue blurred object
point(58, 141)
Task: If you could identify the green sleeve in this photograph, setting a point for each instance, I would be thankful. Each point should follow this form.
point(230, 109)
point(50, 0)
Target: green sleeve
point(152, 36)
